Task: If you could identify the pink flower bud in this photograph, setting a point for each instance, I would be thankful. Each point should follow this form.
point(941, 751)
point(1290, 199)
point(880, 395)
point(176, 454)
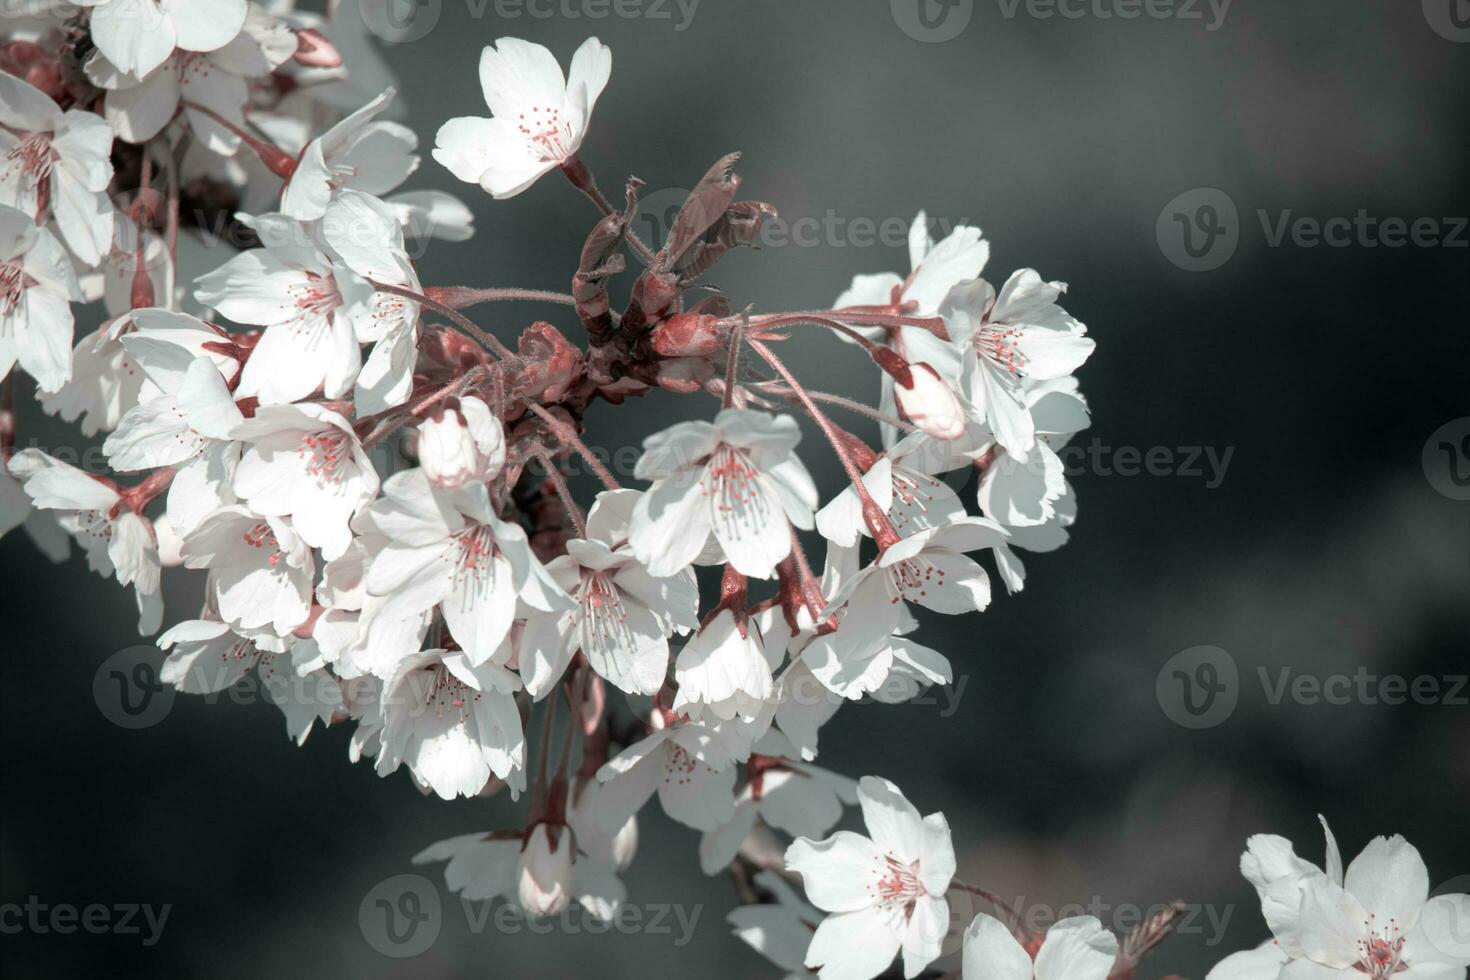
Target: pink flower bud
point(688, 335)
point(930, 403)
point(546, 871)
point(461, 444)
point(315, 51)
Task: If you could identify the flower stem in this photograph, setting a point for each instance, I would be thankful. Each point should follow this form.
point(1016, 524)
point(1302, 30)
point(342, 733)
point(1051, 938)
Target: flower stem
point(559, 483)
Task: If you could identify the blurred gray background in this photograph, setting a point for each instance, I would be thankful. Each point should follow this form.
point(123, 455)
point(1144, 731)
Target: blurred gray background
point(1333, 543)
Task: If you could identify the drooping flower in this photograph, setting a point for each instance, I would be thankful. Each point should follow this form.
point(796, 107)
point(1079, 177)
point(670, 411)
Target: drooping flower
point(793, 797)
point(453, 723)
point(37, 288)
point(779, 931)
point(55, 165)
point(1076, 948)
point(117, 540)
point(623, 616)
point(483, 866)
point(539, 118)
point(928, 568)
point(260, 570)
point(885, 892)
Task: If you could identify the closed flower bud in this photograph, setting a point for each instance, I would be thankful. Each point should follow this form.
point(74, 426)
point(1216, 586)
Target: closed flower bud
point(461, 444)
point(546, 871)
point(688, 335)
point(929, 402)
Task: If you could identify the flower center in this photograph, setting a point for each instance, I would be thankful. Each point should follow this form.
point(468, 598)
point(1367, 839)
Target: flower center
point(898, 884)
point(679, 766)
point(315, 299)
point(999, 343)
point(547, 132)
point(33, 157)
point(913, 579)
point(448, 695)
point(912, 495)
point(262, 538)
point(476, 548)
point(602, 611)
point(730, 481)
point(12, 285)
point(324, 452)
point(1381, 954)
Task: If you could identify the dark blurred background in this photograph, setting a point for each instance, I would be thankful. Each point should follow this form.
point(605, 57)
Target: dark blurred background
point(1331, 545)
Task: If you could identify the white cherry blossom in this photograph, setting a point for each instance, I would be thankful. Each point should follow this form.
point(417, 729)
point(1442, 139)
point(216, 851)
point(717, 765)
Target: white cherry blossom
point(793, 797)
point(116, 539)
point(306, 463)
point(737, 478)
point(260, 570)
point(540, 117)
point(1006, 338)
point(451, 550)
point(138, 35)
point(1076, 948)
point(486, 866)
point(291, 288)
point(623, 616)
point(686, 763)
point(885, 892)
point(55, 165)
point(361, 153)
point(454, 724)
point(37, 288)
point(1375, 919)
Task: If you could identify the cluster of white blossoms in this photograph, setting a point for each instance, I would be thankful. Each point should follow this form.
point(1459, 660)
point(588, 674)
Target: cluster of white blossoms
point(372, 484)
